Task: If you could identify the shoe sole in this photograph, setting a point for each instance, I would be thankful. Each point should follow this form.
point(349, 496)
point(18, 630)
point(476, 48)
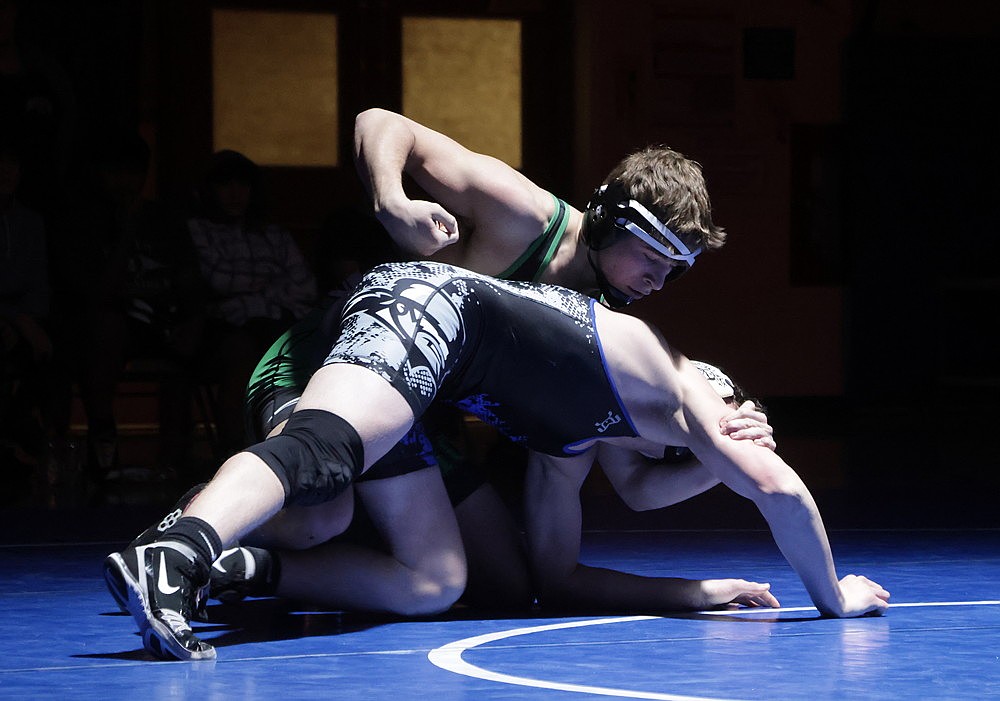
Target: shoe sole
point(157, 638)
point(116, 585)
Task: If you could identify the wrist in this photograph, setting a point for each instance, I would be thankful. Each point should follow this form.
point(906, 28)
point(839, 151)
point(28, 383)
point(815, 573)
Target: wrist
point(387, 205)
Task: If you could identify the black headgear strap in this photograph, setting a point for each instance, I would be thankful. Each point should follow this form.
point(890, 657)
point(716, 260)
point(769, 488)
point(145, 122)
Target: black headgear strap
point(615, 298)
point(611, 213)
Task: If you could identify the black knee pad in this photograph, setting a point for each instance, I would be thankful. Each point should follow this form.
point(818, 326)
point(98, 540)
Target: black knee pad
point(315, 456)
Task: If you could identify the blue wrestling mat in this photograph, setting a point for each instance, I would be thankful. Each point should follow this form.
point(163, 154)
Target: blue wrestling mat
point(62, 636)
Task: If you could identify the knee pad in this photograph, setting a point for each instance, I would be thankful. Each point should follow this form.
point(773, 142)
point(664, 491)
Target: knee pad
point(315, 456)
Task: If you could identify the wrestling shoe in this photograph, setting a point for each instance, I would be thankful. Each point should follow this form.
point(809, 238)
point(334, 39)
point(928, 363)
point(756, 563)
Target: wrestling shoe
point(154, 532)
point(159, 584)
point(242, 572)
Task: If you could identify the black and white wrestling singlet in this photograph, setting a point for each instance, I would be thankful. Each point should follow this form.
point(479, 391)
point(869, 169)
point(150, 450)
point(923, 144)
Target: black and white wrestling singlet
point(522, 357)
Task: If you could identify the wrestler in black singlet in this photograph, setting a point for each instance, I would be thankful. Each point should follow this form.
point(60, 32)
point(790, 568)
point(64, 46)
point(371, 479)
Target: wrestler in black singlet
point(283, 372)
point(523, 358)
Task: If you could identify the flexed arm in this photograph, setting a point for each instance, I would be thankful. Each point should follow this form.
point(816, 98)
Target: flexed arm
point(384, 144)
point(503, 205)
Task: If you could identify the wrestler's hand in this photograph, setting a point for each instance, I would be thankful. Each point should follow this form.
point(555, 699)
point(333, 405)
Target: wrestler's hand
point(737, 592)
point(862, 597)
point(748, 424)
point(418, 226)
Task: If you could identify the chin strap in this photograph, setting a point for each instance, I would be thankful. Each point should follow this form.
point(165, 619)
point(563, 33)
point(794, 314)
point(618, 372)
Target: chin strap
point(613, 297)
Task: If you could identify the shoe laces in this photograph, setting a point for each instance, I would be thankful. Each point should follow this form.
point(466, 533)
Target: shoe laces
point(175, 620)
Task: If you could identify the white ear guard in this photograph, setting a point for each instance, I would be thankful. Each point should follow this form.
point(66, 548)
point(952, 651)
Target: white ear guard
point(633, 217)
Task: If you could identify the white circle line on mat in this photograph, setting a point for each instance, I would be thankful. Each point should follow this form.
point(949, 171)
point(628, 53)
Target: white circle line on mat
point(449, 656)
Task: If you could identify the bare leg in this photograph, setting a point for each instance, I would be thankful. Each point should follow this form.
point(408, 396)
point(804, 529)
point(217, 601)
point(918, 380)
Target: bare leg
point(302, 527)
point(425, 572)
point(245, 492)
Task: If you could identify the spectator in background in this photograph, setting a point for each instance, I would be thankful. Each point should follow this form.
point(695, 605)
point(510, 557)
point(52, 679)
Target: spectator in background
point(129, 287)
point(25, 346)
point(258, 280)
point(37, 102)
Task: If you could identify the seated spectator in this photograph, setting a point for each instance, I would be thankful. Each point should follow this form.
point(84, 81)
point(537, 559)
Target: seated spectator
point(129, 288)
point(25, 347)
point(258, 280)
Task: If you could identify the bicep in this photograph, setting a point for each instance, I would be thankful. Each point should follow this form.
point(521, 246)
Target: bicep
point(474, 185)
point(750, 470)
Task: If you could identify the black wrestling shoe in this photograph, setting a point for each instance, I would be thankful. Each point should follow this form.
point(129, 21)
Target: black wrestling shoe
point(151, 534)
point(159, 584)
point(242, 572)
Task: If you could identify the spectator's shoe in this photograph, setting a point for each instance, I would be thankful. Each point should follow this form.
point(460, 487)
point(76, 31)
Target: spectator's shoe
point(242, 572)
point(159, 584)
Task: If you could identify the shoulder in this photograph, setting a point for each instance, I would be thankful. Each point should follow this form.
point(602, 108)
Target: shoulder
point(506, 221)
point(619, 328)
point(645, 369)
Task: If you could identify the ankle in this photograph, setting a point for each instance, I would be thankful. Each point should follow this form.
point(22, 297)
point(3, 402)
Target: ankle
point(200, 537)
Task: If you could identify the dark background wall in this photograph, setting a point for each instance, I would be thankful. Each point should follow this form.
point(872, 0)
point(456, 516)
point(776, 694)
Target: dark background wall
point(850, 148)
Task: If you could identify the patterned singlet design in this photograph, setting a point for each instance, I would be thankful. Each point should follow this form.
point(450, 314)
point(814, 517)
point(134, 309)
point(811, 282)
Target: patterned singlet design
point(522, 357)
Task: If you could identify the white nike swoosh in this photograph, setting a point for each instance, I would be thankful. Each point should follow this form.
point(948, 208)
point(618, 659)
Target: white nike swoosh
point(162, 583)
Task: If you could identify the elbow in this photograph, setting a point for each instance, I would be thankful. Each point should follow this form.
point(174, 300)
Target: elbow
point(362, 125)
point(778, 483)
point(366, 118)
point(787, 501)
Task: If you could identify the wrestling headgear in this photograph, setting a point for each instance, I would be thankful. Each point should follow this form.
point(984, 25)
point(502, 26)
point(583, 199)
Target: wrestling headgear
point(719, 380)
point(611, 214)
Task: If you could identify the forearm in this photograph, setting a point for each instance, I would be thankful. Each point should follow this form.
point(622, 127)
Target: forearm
point(798, 530)
point(594, 588)
point(382, 144)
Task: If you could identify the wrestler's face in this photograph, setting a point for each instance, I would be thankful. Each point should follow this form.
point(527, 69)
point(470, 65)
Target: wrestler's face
point(634, 268)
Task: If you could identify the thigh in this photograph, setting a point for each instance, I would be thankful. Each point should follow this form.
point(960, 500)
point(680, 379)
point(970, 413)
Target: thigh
point(378, 412)
point(414, 516)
